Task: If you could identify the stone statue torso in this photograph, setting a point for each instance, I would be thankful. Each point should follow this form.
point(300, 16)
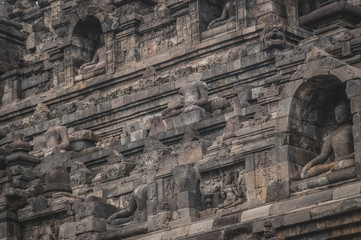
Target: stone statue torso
point(53, 137)
point(101, 53)
point(342, 141)
point(191, 93)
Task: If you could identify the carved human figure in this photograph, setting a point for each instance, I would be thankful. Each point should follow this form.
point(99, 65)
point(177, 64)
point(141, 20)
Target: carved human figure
point(98, 61)
point(230, 192)
point(136, 209)
point(195, 97)
point(228, 13)
point(57, 137)
point(339, 142)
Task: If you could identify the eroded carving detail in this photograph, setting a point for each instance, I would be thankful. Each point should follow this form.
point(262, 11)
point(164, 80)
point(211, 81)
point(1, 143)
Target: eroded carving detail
point(233, 192)
point(79, 174)
point(273, 34)
point(117, 167)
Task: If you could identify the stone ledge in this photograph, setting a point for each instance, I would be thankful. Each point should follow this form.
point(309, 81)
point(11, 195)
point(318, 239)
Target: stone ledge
point(255, 213)
point(319, 181)
point(22, 158)
point(137, 146)
point(251, 221)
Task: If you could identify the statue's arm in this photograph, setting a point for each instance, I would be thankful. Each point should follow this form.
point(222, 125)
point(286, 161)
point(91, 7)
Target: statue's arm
point(95, 58)
point(325, 153)
point(132, 206)
point(203, 94)
point(225, 14)
point(93, 61)
point(65, 143)
point(125, 212)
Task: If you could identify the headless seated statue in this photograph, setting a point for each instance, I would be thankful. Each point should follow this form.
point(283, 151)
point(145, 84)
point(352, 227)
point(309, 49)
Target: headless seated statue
point(98, 61)
point(136, 209)
point(195, 97)
point(228, 13)
point(339, 142)
point(57, 138)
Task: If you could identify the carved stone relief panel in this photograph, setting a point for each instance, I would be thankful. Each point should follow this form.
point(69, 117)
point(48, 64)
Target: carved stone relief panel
point(223, 188)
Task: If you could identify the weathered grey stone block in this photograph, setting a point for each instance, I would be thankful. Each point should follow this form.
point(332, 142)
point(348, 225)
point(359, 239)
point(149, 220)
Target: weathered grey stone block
point(189, 200)
point(297, 217)
point(224, 221)
point(255, 213)
point(138, 135)
point(80, 145)
point(283, 206)
point(314, 198)
point(326, 210)
point(67, 230)
point(353, 88)
point(96, 209)
point(187, 118)
point(90, 224)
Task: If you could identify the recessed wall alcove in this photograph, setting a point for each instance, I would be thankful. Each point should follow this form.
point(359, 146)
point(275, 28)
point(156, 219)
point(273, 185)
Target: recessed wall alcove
point(86, 39)
point(311, 119)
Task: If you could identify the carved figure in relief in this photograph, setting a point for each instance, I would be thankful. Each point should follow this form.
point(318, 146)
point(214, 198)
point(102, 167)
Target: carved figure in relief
point(228, 13)
point(209, 188)
point(98, 61)
point(117, 167)
point(231, 192)
point(57, 137)
point(339, 142)
point(195, 98)
point(136, 209)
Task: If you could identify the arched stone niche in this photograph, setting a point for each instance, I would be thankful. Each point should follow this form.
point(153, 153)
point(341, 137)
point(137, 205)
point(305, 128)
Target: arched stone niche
point(311, 117)
point(86, 39)
point(88, 23)
point(307, 109)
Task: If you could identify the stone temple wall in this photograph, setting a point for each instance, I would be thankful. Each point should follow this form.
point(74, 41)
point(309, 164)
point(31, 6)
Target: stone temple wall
point(180, 119)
